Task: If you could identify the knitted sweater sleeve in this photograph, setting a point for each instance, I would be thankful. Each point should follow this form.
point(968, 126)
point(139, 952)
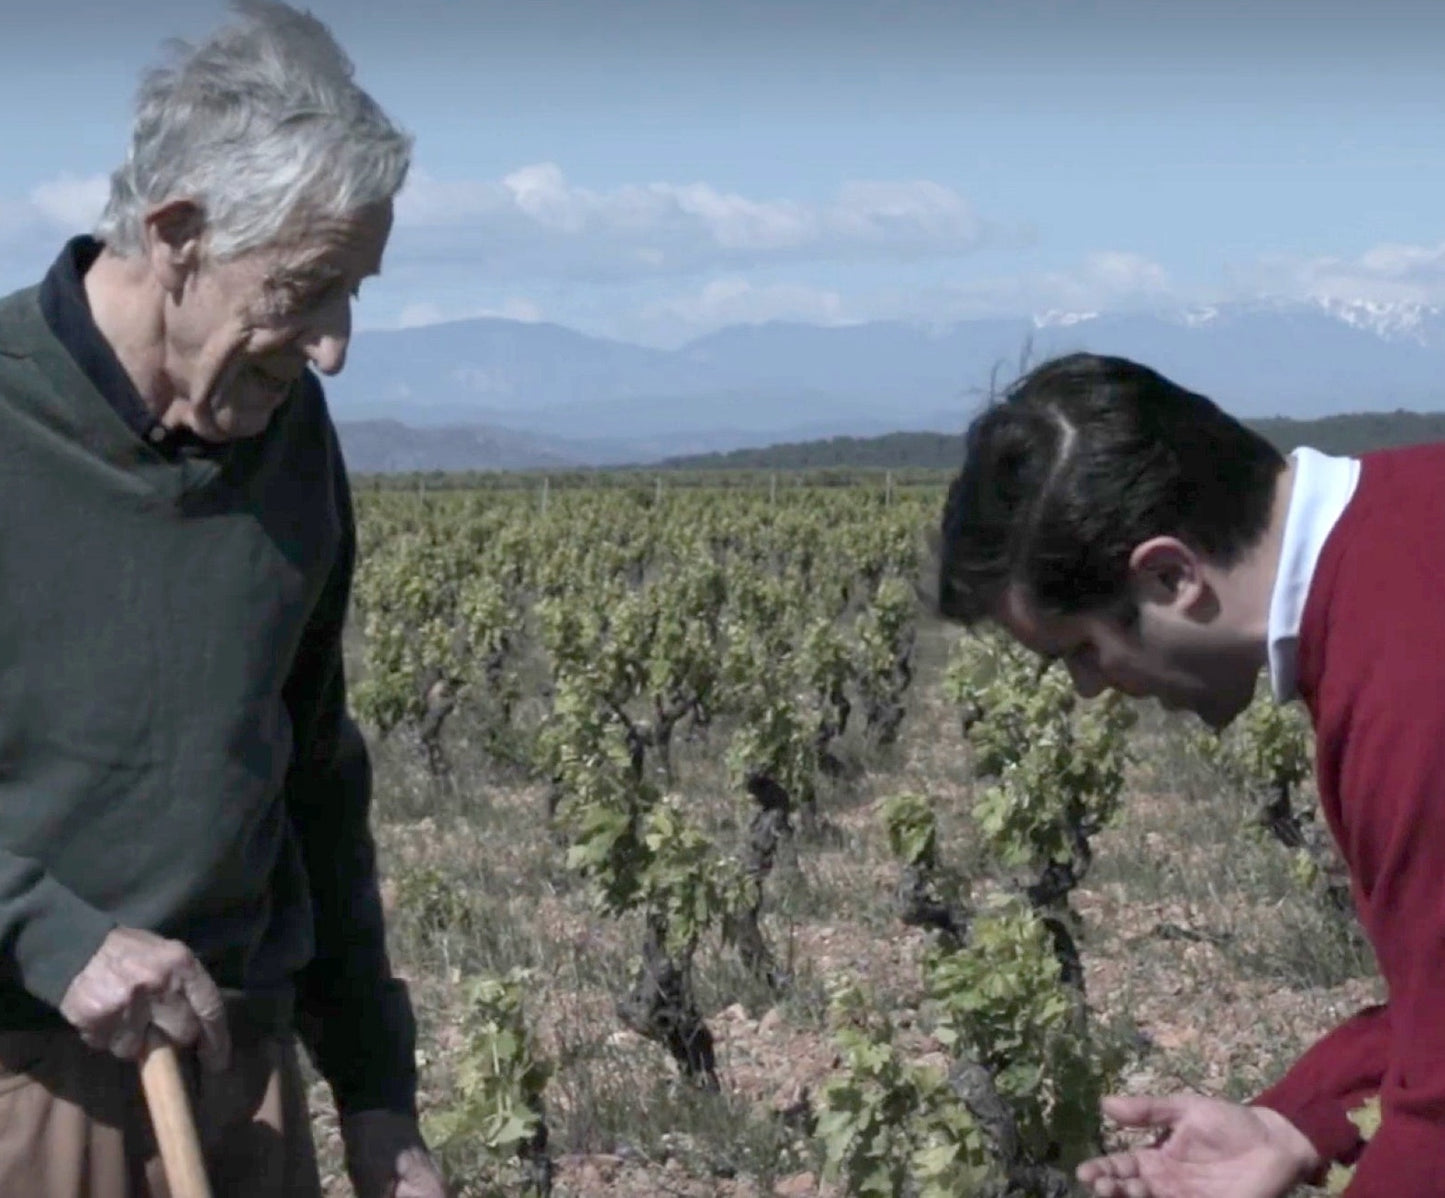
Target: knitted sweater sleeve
point(1334, 1077)
point(48, 933)
point(355, 1017)
point(1383, 763)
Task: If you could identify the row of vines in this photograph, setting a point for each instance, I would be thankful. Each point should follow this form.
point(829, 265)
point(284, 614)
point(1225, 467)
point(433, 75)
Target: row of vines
point(603, 641)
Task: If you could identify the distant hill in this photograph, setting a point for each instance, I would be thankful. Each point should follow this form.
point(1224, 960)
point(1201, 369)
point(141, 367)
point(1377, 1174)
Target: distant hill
point(1350, 433)
point(894, 451)
point(1355, 432)
point(390, 447)
point(600, 402)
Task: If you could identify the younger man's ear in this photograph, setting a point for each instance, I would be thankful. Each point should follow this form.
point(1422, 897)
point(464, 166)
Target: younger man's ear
point(1166, 571)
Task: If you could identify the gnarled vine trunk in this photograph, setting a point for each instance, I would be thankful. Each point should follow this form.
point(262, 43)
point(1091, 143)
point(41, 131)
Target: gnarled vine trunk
point(661, 1006)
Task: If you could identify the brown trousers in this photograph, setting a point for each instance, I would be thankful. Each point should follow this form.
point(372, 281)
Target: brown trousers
point(73, 1122)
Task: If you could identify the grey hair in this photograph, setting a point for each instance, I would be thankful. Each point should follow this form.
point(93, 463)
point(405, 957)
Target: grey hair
point(259, 125)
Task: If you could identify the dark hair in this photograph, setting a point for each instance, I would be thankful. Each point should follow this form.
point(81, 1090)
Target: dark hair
point(1081, 459)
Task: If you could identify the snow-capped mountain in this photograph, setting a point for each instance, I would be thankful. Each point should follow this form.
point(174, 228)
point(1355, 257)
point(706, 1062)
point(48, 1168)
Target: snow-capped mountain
point(1057, 319)
point(1401, 320)
point(756, 384)
point(1392, 321)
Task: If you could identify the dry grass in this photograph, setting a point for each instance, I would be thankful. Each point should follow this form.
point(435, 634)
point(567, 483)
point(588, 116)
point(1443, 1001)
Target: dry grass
point(1200, 949)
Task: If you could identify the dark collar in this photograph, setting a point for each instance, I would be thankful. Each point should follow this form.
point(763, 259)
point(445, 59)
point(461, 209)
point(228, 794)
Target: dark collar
point(66, 309)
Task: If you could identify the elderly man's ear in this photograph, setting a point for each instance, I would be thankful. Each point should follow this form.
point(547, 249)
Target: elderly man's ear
point(173, 235)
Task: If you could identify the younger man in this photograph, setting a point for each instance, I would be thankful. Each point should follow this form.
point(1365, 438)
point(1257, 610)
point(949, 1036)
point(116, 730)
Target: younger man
point(1109, 518)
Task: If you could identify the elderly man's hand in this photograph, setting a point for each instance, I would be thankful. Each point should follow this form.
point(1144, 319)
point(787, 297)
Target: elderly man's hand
point(1214, 1149)
point(137, 979)
point(386, 1158)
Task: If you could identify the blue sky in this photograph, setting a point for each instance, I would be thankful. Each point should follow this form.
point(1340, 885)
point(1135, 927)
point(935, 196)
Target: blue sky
point(653, 170)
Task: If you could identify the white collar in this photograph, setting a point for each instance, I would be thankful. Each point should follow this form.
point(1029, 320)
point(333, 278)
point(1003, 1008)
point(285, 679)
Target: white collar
point(1323, 485)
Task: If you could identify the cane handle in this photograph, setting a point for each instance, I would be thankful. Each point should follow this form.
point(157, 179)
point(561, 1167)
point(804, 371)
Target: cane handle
point(175, 1126)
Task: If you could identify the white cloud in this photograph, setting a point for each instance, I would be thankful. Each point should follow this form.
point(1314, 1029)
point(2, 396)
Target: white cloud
point(734, 300)
point(417, 315)
point(71, 204)
point(1389, 273)
point(32, 226)
point(515, 308)
point(1123, 273)
point(534, 220)
point(675, 260)
point(1100, 281)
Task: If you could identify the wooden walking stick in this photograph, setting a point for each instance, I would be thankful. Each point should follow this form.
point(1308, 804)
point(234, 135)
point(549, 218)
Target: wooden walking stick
point(175, 1127)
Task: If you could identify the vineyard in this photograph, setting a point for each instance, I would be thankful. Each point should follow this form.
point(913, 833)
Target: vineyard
point(718, 866)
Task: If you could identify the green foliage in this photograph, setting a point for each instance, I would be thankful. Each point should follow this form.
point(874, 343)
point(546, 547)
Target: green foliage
point(885, 635)
point(586, 751)
point(1264, 757)
point(777, 735)
point(1268, 749)
point(772, 619)
point(438, 906)
point(1002, 1001)
point(1010, 995)
point(632, 842)
point(1056, 766)
point(429, 614)
point(889, 1126)
point(496, 1104)
point(1007, 693)
point(912, 830)
point(1064, 783)
point(687, 880)
point(763, 617)
point(1366, 1117)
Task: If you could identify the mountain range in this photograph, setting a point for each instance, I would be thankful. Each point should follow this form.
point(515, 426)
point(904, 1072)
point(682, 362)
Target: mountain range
point(491, 393)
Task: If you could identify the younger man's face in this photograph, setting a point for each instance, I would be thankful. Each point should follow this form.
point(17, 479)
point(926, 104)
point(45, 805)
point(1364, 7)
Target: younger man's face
point(1163, 655)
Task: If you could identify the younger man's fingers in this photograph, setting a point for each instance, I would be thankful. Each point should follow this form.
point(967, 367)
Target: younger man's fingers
point(1145, 1110)
point(1121, 1166)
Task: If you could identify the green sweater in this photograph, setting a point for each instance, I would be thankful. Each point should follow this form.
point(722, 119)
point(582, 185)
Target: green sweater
point(175, 752)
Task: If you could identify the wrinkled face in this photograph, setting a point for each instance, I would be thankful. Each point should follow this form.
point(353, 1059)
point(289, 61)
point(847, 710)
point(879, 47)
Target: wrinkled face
point(1164, 655)
point(245, 329)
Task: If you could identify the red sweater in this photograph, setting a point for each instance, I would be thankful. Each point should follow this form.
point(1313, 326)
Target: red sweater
point(1372, 672)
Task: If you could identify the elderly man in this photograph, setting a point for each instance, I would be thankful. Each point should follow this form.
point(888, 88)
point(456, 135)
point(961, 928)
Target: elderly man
point(1110, 519)
point(184, 843)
